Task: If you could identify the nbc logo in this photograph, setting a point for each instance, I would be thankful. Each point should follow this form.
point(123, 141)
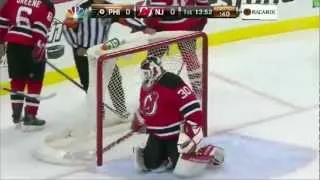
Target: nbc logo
point(76, 13)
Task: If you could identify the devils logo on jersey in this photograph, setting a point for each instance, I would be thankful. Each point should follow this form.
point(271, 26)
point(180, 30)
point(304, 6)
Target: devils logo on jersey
point(150, 104)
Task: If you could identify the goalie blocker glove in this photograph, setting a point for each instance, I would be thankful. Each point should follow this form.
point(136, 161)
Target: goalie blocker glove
point(138, 124)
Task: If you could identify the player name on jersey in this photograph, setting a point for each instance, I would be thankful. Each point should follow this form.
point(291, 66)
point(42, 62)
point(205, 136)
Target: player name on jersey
point(124, 11)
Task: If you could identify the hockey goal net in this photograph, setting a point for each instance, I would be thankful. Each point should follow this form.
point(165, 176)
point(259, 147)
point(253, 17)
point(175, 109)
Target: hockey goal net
point(113, 92)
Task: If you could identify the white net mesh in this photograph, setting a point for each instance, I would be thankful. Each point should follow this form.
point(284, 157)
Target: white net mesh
point(181, 53)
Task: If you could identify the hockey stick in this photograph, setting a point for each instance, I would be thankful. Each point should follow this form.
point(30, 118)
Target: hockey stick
point(78, 85)
point(65, 75)
point(118, 141)
point(90, 155)
point(27, 96)
point(57, 21)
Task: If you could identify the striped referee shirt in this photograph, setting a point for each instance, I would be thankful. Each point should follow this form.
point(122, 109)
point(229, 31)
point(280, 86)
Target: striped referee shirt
point(93, 31)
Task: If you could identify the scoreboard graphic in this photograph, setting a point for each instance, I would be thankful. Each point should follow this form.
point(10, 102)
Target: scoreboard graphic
point(125, 11)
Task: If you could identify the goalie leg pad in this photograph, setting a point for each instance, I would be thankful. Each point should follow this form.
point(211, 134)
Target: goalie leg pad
point(139, 160)
point(193, 164)
point(216, 153)
point(209, 154)
point(186, 168)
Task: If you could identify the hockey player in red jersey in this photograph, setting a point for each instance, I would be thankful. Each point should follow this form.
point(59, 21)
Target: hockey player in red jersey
point(188, 47)
point(23, 27)
point(172, 116)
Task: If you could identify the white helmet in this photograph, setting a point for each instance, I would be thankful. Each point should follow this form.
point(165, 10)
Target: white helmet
point(152, 70)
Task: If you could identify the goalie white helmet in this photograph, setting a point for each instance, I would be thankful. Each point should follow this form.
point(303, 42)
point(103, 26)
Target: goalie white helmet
point(152, 70)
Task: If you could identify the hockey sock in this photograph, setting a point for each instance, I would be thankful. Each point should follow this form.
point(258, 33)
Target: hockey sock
point(34, 89)
point(17, 101)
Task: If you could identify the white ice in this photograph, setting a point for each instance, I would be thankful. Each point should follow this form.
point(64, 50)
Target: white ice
point(263, 109)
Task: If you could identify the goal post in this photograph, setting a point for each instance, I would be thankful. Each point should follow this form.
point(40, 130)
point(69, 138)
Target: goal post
point(113, 95)
point(165, 39)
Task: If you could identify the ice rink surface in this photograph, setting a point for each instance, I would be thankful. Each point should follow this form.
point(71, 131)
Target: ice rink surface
point(263, 109)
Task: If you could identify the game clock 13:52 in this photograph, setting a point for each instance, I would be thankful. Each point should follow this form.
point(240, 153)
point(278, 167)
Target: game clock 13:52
point(203, 11)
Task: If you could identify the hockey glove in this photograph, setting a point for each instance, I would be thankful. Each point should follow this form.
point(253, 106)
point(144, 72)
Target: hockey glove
point(137, 124)
point(71, 23)
point(39, 51)
point(190, 136)
point(2, 49)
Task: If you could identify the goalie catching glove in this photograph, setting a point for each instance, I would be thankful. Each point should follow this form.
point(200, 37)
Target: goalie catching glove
point(190, 136)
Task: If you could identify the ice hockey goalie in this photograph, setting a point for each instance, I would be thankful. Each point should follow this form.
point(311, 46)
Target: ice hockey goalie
point(171, 115)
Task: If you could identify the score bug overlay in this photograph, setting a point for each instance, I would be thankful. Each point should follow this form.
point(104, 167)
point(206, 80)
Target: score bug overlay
point(125, 10)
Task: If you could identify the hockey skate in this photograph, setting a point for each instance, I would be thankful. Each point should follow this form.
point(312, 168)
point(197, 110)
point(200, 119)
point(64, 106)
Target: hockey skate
point(17, 121)
point(32, 123)
point(16, 115)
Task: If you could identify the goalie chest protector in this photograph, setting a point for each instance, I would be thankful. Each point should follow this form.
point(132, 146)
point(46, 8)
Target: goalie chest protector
point(161, 105)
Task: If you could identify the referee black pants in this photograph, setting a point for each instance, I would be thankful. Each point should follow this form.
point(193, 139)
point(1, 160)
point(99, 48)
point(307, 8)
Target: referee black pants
point(82, 66)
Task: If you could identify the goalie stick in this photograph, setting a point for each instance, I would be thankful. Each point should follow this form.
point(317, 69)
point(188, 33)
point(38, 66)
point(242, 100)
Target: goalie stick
point(90, 155)
point(118, 141)
point(27, 96)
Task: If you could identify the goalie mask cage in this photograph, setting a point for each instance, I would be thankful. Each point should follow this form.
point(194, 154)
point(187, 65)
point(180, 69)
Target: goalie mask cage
point(182, 52)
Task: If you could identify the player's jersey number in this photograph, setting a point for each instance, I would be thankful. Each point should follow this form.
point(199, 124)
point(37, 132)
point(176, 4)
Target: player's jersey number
point(184, 92)
point(22, 18)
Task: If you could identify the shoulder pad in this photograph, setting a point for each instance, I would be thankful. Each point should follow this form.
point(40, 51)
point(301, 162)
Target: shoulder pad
point(50, 4)
point(171, 80)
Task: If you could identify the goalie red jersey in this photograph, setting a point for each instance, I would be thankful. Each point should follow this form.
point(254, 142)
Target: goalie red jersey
point(176, 24)
point(167, 104)
point(25, 22)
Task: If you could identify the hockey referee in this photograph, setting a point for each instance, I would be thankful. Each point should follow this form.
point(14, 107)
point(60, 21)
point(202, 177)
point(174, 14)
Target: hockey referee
point(90, 32)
